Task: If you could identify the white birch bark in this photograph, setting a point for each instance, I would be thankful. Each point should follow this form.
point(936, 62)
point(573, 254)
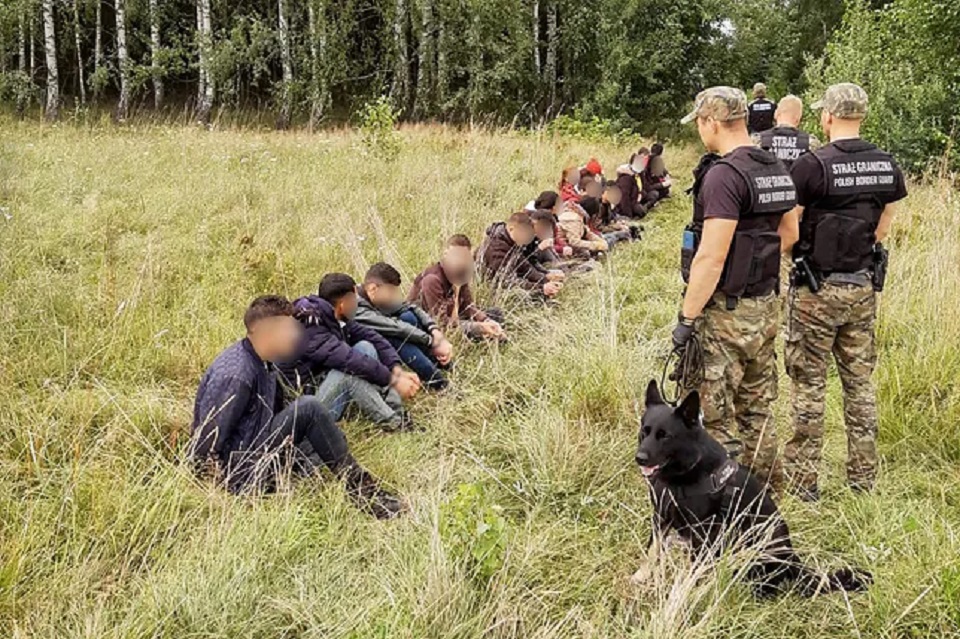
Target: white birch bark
point(52, 109)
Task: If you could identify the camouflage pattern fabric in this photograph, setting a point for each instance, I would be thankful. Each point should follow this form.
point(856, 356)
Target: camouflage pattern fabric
point(740, 380)
point(846, 101)
point(723, 104)
point(838, 320)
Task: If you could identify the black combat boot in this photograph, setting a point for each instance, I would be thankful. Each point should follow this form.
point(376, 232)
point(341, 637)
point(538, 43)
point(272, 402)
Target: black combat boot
point(366, 492)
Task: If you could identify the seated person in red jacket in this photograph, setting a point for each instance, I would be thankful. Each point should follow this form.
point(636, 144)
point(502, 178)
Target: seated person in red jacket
point(244, 429)
point(506, 258)
point(443, 290)
point(342, 361)
point(655, 180)
point(569, 181)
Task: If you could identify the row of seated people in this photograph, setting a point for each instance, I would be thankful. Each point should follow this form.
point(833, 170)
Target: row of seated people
point(272, 400)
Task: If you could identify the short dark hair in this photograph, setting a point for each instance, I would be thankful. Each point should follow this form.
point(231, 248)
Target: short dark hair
point(266, 306)
point(656, 149)
point(586, 179)
point(382, 273)
point(334, 286)
point(643, 151)
point(591, 205)
point(610, 184)
point(460, 240)
point(521, 218)
point(544, 217)
point(546, 200)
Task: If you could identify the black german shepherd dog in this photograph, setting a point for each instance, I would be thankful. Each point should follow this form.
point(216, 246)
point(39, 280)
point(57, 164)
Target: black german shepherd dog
point(710, 501)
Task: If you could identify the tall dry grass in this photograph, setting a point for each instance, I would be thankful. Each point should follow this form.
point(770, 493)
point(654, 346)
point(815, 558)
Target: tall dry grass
point(125, 263)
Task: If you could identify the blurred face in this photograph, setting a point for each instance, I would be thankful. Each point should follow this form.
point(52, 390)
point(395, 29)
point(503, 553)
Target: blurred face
point(613, 195)
point(277, 337)
point(385, 297)
point(457, 264)
point(594, 189)
point(346, 307)
point(520, 234)
point(639, 163)
point(542, 230)
point(573, 176)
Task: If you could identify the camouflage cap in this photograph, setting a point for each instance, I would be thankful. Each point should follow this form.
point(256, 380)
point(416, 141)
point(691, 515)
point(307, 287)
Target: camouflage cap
point(723, 104)
point(846, 101)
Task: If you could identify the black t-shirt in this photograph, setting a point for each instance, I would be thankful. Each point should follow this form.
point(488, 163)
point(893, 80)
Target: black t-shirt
point(761, 113)
point(725, 194)
point(807, 174)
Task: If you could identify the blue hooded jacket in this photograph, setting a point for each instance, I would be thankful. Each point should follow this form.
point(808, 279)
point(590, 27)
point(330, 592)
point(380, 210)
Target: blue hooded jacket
point(326, 346)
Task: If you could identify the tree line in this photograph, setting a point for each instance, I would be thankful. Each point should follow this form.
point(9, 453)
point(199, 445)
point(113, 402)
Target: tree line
point(634, 62)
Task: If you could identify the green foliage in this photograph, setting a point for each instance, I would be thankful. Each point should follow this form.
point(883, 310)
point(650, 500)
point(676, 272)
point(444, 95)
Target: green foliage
point(475, 530)
point(378, 129)
point(897, 54)
point(593, 128)
point(16, 87)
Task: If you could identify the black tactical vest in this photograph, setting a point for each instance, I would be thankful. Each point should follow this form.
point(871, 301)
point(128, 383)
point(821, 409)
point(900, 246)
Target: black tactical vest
point(785, 142)
point(837, 232)
point(752, 268)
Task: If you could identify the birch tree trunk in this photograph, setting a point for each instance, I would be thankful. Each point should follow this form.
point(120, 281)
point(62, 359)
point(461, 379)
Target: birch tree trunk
point(206, 87)
point(31, 40)
point(52, 110)
point(22, 42)
point(318, 49)
point(123, 62)
point(77, 39)
point(550, 69)
point(155, 69)
point(287, 64)
point(98, 42)
point(400, 90)
point(536, 38)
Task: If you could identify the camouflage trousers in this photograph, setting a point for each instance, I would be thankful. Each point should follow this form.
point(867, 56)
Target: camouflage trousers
point(837, 320)
point(740, 380)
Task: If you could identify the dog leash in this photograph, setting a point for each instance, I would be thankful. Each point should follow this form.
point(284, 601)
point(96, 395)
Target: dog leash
point(688, 370)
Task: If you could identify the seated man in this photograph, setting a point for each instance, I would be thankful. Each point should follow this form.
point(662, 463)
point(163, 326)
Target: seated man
point(409, 329)
point(242, 432)
point(611, 232)
point(655, 180)
point(627, 174)
point(541, 250)
point(443, 290)
point(506, 261)
point(576, 233)
point(340, 360)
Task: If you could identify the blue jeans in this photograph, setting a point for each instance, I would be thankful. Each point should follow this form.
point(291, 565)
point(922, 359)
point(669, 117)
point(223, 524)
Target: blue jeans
point(420, 362)
point(338, 390)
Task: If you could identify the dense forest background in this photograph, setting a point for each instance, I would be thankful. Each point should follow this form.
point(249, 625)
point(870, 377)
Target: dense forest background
point(619, 64)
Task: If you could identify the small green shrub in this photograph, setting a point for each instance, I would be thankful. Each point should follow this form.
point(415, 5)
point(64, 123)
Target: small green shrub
point(475, 530)
point(378, 128)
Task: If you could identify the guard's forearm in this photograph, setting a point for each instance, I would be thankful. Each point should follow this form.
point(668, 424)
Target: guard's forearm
point(704, 274)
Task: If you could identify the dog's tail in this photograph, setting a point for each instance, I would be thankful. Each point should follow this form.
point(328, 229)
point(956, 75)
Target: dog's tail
point(812, 583)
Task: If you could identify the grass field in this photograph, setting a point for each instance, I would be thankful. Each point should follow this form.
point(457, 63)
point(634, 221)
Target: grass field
point(126, 258)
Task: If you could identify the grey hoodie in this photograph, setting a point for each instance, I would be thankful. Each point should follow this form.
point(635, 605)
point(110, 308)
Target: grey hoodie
point(392, 327)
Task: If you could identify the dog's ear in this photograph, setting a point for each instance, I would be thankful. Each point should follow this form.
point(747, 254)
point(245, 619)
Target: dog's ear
point(653, 394)
point(689, 409)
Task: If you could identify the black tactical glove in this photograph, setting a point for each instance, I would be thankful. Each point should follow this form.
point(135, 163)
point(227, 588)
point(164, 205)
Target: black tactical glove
point(683, 332)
